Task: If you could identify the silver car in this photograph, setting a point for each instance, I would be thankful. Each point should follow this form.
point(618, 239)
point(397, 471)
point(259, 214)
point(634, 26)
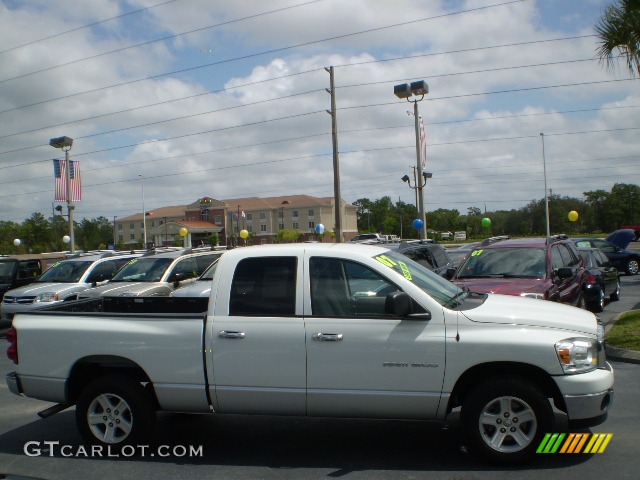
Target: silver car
point(201, 287)
point(156, 274)
point(63, 281)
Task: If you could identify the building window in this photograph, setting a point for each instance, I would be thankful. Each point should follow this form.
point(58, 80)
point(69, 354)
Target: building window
point(120, 239)
point(204, 215)
point(249, 228)
point(249, 216)
point(141, 224)
point(312, 225)
point(294, 214)
point(263, 228)
point(217, 219)
point(311, 212)
point(263, 216)
point(119, 226)
point(131, 226)
point(281, 214)
point(281, 226)
point(295, 226)
point(132, 236)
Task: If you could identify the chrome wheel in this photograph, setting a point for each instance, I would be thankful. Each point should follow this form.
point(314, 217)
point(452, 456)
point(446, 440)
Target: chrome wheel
point(507, 424)
point(110, 418)
point(632, 267)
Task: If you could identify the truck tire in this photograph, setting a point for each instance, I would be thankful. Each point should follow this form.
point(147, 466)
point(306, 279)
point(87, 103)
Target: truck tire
point(114, 411)
point(504, 420)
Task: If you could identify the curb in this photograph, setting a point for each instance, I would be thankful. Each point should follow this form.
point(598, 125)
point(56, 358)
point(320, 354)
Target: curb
point(620, 354)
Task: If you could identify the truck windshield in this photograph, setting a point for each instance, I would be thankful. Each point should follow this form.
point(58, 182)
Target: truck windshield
point(441, 290)
point(143, 270)
point(6, 270)
point(65, 272)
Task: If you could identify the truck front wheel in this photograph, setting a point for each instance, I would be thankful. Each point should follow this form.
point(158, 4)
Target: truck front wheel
point(505, 419)
point(115, 411)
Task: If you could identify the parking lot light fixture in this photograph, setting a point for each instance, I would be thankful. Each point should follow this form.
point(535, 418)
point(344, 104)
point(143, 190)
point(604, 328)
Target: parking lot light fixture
point(65, 143)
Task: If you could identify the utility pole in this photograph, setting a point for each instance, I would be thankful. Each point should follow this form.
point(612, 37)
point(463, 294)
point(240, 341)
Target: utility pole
point(336, 161)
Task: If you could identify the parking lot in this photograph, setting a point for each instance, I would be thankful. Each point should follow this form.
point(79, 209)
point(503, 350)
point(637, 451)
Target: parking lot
point(201, 446)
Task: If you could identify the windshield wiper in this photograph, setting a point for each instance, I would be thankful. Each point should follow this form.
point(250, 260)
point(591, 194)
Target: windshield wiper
point(460, 295)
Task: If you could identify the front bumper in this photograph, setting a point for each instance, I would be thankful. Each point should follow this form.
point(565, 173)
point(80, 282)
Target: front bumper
point(587, 409)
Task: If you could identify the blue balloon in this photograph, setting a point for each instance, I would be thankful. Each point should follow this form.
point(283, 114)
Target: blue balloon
point(418, 224)
point(319, 229)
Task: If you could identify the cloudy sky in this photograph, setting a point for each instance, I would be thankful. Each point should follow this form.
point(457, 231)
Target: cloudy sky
point(227, 99)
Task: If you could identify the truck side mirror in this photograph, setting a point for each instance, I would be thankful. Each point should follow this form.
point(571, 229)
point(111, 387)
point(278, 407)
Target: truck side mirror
point(564, 272)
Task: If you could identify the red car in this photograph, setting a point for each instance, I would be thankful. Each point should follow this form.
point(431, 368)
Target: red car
point(544, 268)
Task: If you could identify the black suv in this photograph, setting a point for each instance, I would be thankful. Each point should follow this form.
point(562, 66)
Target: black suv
point(429, 254)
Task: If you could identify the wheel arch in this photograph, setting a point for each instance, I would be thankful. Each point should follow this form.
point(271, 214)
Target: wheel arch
point(478, 374)
point(92, 367)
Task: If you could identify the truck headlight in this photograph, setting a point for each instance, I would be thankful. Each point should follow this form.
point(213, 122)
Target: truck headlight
point(47, 297)
point(577, 355)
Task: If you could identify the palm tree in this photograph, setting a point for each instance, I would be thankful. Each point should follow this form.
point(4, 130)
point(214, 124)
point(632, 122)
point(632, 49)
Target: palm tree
point(619, 29)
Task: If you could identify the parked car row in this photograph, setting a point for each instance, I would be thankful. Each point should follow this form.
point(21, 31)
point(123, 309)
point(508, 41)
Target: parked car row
point(153, 273)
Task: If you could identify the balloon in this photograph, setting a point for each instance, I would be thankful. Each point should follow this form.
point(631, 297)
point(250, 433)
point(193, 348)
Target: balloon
point(183, 232)
point(17, 242)
point(244, 234)
point(418, 224)
point(319, 229)
point(66, 239)
point(573, 216)
point(486, 222)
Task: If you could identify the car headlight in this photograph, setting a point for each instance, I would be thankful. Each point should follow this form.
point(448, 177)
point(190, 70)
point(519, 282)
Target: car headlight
point(47, 297)
point(577, 355)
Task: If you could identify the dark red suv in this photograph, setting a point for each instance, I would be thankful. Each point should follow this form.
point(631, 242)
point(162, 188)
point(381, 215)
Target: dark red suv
point(545, 268)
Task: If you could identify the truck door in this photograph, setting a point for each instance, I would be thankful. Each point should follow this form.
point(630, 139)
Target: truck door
point(361, 361)
point(257, 340)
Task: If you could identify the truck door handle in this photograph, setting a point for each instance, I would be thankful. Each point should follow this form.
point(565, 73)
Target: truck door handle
point(327, 337)
point(230, 334)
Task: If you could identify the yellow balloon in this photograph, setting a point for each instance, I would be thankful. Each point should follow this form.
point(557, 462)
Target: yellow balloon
point(573, 216)
point(183, 232)
point(244, 234)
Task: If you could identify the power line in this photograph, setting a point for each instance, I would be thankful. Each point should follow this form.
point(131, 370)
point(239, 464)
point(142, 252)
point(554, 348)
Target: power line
point(266, 52)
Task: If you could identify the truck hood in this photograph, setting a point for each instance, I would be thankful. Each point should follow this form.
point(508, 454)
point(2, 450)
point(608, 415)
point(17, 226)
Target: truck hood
point(62, 289)
point(504, 286)
point(622, 238)
point(129, 289)
point(196, 289)
point(533, 313)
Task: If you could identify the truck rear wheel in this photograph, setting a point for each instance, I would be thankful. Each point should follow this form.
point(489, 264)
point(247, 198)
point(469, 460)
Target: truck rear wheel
point(114, 411)
point(505, 419)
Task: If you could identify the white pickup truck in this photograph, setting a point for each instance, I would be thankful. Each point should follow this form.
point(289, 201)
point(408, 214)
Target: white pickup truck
point(335, 330)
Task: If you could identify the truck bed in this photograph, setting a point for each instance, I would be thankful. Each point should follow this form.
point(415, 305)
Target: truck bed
point(154, 305)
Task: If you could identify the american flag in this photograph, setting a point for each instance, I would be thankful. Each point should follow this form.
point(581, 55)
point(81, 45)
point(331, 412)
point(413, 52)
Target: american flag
point(60, 175)
point(423, 143)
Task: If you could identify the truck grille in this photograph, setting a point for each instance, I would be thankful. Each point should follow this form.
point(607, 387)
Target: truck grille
point(19, 300)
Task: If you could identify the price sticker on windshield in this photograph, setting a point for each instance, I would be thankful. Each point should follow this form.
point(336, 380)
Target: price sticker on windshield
point(405, 271)
point(383, 259)
point(476, 253)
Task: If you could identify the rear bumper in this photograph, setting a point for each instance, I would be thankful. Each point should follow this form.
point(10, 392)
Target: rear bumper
point(13, 382)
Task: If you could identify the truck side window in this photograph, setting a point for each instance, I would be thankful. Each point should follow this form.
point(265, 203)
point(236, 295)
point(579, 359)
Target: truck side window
point(264, 286)
point(340, 288)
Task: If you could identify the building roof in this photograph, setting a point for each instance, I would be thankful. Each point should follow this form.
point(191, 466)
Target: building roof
point(172, 211)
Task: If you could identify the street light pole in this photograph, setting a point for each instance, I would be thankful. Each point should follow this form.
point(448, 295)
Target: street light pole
point(144, 214)
point(406, 90)
point(546, 199)
point(65, 143)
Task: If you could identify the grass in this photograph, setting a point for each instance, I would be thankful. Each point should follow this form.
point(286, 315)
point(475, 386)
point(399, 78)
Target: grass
point(625, 333)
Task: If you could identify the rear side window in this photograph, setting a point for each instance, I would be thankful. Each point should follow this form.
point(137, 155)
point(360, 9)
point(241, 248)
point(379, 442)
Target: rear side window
point(422, 256)
point(264, 286)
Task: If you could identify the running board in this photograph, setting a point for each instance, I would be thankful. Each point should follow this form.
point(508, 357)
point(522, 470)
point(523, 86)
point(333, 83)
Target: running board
point(53, 410)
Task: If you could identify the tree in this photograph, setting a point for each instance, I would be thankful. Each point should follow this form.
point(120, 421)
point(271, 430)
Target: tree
point(619, 30)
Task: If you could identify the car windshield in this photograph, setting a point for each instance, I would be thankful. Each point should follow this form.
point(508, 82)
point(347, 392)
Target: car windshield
point(143, 270)
point(441, 290)
point(504, 262)
point(6, 270)
point(65, 272)
point(207, 275)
